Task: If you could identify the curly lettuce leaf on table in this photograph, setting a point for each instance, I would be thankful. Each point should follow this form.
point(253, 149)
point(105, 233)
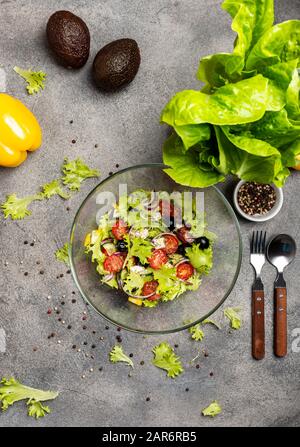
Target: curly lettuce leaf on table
point(12, 391)
point(246, 119)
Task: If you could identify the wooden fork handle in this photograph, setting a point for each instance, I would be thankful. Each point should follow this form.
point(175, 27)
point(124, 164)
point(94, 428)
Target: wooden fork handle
point(258, 324)
point(280, 321)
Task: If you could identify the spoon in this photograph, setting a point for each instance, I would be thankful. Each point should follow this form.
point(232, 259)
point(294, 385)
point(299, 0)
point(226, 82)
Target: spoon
point(280, 252)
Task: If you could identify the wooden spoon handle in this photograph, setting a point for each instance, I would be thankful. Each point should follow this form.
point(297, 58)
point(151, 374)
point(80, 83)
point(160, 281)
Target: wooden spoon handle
point(280, 322)
point(258, 324)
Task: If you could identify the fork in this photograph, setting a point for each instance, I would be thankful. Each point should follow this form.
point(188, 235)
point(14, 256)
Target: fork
point(257, 260)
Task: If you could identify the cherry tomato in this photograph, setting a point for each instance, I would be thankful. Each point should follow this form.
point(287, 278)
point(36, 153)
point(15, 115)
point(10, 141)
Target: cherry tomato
point(119, 229)
point(113, 263)
point(150, 287)
point(171, 244)
point(184, 235)
point(158, 258)
point(184, 271)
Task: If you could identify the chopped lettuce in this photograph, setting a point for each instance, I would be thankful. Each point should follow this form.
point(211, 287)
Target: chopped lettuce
point(232, 313)
point(16, 207)
point(133, 283)
point(54, 188)
point(75, 172)
point(212, 410)
point(201, 260)
point(165, 358)
point(197, 333)
point(117, 355)
point(62, 254)
point(35, 79)
point(12, 391)
point(139, 247)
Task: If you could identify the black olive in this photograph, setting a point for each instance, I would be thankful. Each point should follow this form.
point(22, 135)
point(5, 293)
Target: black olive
point(121, 246)
point(181, 250)
point(203, 242)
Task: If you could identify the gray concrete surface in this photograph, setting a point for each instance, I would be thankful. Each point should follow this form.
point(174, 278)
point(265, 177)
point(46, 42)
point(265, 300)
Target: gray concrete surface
point(172, 36)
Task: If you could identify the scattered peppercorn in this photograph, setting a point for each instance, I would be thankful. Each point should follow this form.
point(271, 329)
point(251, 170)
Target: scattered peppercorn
point(74, 347)
point(100, 369)
point(84, 328)
point(119, 329)
point(106, 327)
point(26, 274)
point(147, 399)
point(211, 374)
point(198, 366)
point(117, 165)
point(42, 272)
point(68, 272)
point(142, 363)
point(110, 173)
point(32, 244)
point(25, 242)
point(187, 389)
point(254, 198)
point(34, 349)
point(175, 346)
point(62, 303)
point(73, 301)
point(73, 141)
point(61, 275)
point(119, 338)
point(49, 311)
point(69, 327)
point(131, 355)
point(93, 346)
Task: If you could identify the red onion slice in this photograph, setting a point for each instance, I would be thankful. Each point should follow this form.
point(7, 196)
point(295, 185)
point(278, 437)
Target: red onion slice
point(140, 297)
point(106, 241)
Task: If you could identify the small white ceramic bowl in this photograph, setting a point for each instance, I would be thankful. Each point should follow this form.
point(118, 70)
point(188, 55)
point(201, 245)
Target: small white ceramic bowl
point(259, 217)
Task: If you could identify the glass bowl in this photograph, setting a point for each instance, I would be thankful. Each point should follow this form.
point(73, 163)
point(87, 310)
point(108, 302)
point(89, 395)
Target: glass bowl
point(193, 306)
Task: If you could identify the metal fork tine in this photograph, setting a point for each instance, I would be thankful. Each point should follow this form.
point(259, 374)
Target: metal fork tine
point(264, 242)
point(256, 242)
point(260, 242)
point(252, 243)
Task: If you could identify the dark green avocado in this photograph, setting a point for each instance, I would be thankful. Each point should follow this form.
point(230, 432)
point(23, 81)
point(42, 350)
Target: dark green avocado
point(116, 64)
point(69, 38)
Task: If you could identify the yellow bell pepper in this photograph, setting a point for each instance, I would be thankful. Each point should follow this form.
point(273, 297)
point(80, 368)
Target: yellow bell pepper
point(136, 301)
point(19, 131)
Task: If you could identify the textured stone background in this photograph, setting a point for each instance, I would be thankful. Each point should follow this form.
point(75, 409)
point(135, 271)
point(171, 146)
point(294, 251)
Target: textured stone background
point(172, 36)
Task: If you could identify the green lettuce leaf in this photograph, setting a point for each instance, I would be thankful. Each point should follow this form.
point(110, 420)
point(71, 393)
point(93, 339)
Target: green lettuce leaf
point(212, 410)
point(165, 358)
point(279, 44)
point(250, 159)
point(243, 102)
point(191, 134)
point(200, 259)
point(12, 391)
point(185, 168)
point(251, 19)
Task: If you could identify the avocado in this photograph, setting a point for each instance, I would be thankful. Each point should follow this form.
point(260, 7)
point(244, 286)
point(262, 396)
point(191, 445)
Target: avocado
point(69, 38)
point(116, 64)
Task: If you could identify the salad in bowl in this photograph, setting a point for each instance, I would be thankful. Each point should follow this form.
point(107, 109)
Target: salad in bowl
point(149, 247)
